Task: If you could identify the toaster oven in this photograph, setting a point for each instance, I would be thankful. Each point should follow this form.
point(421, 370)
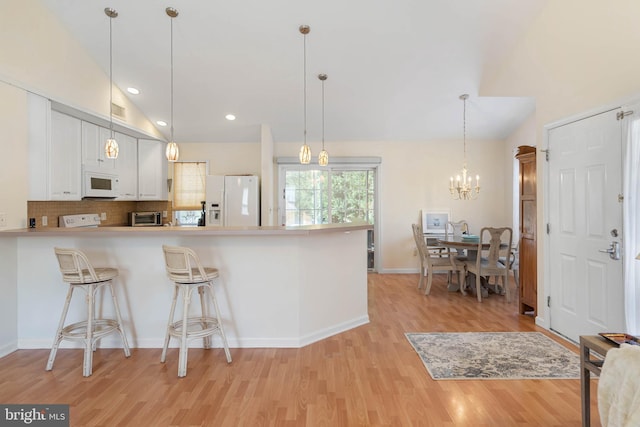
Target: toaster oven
point(145, 219)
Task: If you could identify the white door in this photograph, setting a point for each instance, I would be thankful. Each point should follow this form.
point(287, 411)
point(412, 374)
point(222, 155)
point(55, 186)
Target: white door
point(585, 217)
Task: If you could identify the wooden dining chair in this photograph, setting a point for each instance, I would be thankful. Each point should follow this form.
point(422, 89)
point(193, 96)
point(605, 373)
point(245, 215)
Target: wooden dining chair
point(456, 229)
point(440, 261)
point(491, 244)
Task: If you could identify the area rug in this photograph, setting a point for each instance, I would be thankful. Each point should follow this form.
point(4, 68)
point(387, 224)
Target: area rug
point(494, 355)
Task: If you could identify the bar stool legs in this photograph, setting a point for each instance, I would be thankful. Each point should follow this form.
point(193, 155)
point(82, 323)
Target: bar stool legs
point(77, 271)
point(203, 326)
point(188, 275)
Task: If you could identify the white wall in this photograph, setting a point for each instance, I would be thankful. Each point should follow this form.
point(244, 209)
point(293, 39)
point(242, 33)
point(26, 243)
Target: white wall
point(577, 56)
point(13, 203)
point(39, 55)
point(224, 158)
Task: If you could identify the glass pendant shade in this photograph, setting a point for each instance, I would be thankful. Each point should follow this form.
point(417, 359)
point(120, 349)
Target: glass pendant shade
point(111, 149)
point(323, 158)
point(172, 152)
point(305, 154)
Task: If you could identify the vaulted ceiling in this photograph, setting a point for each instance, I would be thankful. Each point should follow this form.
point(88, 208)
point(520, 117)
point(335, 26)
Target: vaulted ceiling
point(395, 69)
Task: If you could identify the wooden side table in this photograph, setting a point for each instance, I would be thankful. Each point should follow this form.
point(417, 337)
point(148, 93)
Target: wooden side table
point(588, 364)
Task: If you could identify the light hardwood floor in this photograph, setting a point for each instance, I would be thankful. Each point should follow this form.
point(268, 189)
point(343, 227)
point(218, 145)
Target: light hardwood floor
point(368, 376)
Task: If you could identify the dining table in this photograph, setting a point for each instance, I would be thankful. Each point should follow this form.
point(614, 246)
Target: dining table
point(468, 243)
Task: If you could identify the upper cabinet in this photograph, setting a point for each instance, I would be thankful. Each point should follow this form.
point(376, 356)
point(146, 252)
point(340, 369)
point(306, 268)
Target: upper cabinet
point(94, 138)
point(65, 173)
point(60, 146)
point(127, 167)
point(152, 170)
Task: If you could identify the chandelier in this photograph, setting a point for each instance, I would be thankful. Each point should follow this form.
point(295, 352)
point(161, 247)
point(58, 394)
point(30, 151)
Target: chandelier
point(461, 188)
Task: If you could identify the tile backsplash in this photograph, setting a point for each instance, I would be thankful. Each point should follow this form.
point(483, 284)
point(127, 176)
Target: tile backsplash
point(115, 211)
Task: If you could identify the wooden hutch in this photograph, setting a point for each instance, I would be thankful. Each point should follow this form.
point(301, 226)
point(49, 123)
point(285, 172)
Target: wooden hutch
point(528, 296)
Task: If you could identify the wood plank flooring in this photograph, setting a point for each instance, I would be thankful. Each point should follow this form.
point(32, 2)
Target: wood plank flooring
point(368, 376)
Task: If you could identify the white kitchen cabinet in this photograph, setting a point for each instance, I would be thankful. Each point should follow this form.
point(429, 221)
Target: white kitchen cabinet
point(152, 170)
point(54, 152)
point(65, 158)
point(127, 167)
point(94, 138)
point(39, 136)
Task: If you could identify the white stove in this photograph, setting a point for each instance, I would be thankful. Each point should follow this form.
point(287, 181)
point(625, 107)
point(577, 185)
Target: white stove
point(80, 220)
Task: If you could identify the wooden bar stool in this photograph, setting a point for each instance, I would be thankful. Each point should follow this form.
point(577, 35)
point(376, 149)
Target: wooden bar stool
point(78, 272)
point(187, 273)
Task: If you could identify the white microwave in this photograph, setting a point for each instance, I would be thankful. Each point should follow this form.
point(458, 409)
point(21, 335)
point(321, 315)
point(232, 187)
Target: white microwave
point(99, 185)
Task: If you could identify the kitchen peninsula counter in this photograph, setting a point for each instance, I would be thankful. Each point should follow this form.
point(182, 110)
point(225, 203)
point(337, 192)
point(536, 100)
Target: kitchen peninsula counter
point(278, 286)
point(186, 230)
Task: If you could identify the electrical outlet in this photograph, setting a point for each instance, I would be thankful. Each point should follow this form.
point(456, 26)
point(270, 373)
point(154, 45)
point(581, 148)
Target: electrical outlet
point(103, 216)
point(415, 252)
point(3, 219)
point(45, 222)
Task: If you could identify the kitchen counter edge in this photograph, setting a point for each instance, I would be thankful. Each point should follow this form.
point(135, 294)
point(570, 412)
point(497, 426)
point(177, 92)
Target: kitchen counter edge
point(185, 231)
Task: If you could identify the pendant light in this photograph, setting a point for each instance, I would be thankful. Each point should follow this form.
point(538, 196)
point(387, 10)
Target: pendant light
point(462, 189)
point(323, 157)
point(111, 145)
point(172, 148)
point(305, 150)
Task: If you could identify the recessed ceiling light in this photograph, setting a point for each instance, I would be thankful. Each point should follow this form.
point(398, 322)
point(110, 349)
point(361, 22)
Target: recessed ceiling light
point(161, 123)
point(230, 117)
point(133, 90)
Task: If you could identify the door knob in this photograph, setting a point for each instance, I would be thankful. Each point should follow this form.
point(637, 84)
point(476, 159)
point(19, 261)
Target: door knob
point(613, 250)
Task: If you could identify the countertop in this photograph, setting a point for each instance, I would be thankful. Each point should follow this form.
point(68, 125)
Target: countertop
point(185, 231)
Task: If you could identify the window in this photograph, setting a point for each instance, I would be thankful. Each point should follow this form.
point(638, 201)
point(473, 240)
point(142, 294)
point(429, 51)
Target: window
point(342, 192)
point(322, 196)
point(188, 191)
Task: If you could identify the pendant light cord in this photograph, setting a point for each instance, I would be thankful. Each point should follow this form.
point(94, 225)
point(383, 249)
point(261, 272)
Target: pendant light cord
point(171, 50)
point(323, 114)
point(304, 42)
point(110, 77)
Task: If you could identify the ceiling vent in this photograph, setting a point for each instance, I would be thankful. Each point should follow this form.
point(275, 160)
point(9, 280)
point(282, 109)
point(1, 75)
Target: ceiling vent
point(119, 110)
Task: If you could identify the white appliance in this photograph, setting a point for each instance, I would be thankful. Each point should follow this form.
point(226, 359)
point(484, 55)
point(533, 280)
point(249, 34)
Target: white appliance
point(232, 200)
point(78, 221)
point(99, 185)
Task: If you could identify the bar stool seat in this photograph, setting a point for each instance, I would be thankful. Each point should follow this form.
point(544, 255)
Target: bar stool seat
point(188, 275)
point(78, 272)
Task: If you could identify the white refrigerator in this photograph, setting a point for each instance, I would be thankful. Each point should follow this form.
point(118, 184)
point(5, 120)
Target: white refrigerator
point(232, 200)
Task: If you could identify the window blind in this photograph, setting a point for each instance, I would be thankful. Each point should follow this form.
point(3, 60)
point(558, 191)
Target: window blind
point(189, 185)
